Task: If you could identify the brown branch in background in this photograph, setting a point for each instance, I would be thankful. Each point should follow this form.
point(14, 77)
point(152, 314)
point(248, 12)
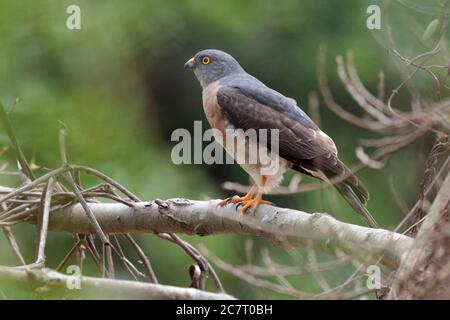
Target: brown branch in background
point(441, 146)
point(13, 242)
point(90, 245)
point(68, 255)
point(24, 214)
point(128, 265)
point(261, 276)
point(443, 171)
point(24, 167)
point(397, 196)
point(196, 255)
point(331, 103)
point(82, 201)
point(428, 256)
point(269, 264)
point(144, 259)
point(253, 280)
point(428, 10)
point(42, 196)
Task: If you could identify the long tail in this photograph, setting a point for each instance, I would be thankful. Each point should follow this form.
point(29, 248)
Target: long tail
point(353, 191)
point(347, 190)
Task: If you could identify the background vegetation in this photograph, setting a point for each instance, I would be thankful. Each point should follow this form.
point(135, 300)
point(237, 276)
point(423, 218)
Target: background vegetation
point(119, 86)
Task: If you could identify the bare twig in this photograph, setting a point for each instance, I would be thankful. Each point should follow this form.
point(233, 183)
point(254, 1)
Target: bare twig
point(42, 222)
point(13, 242)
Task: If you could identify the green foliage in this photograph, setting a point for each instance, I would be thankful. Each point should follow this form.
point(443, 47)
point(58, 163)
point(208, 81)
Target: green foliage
point(119, 87)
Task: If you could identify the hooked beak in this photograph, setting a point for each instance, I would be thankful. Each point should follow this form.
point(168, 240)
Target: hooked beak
point(190, 63)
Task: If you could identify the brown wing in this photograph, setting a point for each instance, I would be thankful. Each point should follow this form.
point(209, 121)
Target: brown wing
point(300, 140)
point(296, 141)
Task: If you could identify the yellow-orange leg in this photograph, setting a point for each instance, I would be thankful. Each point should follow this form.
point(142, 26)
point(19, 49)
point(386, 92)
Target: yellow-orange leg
point(238, 199)
point(253, 203)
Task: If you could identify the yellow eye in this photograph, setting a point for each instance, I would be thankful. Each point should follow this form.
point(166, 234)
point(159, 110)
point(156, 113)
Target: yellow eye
point(206, 60)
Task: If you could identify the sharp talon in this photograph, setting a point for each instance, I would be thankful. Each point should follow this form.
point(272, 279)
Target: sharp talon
point(253, 203)
point(224, 202)
point(236, 199)
point(247, 205)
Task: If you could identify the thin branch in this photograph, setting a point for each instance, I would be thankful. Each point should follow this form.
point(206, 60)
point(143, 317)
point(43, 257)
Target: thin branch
point(145, 260)
point(42, 222)
point(23, 164)
point(419, 251)
point(68, 255)
point(90, 215)
point(13, 242)
point(251, 279)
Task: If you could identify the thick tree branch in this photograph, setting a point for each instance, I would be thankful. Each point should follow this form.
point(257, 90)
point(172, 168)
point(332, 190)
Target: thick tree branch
point(278, 225)
point(44, 279)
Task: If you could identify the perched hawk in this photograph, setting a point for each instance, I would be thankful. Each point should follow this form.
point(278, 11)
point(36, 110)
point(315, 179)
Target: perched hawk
point(233, 99)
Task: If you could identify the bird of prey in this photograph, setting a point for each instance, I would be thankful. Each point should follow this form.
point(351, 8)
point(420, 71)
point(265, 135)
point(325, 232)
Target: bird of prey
point(233, 99)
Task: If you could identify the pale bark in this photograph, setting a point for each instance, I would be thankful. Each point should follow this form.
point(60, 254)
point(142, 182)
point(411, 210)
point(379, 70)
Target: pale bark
point(278, 225)
point(44, 280)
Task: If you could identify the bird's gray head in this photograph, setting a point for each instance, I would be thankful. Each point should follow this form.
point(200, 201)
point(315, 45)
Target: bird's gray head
point(211, 65)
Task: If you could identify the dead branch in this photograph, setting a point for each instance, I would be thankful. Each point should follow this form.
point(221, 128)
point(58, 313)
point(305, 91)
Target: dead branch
point(47, 279)
point(278, 225)
point(418, 257)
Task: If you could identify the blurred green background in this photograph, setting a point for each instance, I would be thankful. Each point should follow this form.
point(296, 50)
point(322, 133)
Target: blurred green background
point(119, 86)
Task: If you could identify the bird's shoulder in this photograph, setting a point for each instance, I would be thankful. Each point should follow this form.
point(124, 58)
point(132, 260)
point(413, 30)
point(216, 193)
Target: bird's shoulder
point(245, 85)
